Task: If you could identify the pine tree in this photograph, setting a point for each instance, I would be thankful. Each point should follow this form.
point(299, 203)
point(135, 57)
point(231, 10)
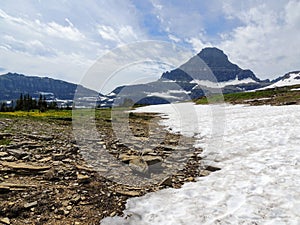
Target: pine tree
point(40, 102)
point(3, 107)
point(20, 103)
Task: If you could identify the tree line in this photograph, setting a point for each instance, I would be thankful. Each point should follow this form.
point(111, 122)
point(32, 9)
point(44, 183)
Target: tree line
point(27, 103)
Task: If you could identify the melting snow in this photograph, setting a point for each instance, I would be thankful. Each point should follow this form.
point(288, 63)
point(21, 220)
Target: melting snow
point(260, 176)
point(295, 89)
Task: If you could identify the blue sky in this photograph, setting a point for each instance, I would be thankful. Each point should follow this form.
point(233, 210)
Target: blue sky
point(63, 39)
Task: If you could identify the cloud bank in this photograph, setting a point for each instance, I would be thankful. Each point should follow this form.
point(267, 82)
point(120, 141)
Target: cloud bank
point(63, 39)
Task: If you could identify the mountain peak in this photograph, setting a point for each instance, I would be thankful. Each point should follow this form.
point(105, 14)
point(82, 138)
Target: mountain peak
point(211, 51)
point(213, 56)
point(218, 62)
point(216, 58)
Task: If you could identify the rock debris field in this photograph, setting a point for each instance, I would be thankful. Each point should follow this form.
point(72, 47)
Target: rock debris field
point(45, 177)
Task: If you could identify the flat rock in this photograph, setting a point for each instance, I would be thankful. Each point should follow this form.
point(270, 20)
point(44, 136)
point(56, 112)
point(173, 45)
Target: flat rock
point(4, 189)
point(9, 158)
point(127, 158)
point(39, 137)
point(129, 193)
point(25, 166)
point(166, 182)
point(167, 147)
point(30, 205)
point(204, 173)
point(3, 154)
point(83, 178)
point(21, 144)
point(19, 154)
point(85, 168)
point(5, 220)
point(138, 165)
point(151, 160)
point(47, 159)
point(14, 185)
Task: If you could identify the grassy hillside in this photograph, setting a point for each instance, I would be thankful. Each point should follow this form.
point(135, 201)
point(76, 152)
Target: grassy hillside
point(276, 96)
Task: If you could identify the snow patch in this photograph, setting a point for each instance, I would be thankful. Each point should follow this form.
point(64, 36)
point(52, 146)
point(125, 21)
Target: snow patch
point(295, 89)
point(161, 95)
point(111, 94)
point(211, 84)
point(259, 178)
point(291, 79)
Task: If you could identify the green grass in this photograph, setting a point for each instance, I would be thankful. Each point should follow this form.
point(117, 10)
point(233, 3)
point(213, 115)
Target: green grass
point(278, 95)
point(51, 114)
point(36, 113)
point(5, 141)
point(104, 114)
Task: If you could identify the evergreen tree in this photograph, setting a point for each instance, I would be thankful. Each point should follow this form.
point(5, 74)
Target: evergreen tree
point(52, 105)
point(40, 102)
point(3, 107)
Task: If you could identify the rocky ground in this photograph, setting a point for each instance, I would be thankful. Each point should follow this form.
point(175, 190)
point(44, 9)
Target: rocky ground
point(47, 177)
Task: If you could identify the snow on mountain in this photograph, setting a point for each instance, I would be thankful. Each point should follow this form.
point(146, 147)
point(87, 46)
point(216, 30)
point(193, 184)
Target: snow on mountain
point(223, 84)
point(165, 95)
point(259, 178)
point(170, 94)
point(289, 79)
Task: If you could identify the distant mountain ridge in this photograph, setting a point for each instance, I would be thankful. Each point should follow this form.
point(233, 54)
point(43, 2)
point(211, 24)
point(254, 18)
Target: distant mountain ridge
point(190, 81)
point(13, 84)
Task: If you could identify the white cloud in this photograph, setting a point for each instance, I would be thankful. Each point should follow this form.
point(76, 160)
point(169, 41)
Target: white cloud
point(174, 38)
point(33, 47)
point(178, 18)
point(55, 67)
point(108, 33)
point(267, 40)
point(262, 36)
point(67, 32)
point(292, 10)
point(197, 43)
point(62, 38)
point(120, 35)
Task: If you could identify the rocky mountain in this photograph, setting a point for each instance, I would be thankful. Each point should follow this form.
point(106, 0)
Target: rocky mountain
point(218, 63)
point(191, 80)
point(13, 84)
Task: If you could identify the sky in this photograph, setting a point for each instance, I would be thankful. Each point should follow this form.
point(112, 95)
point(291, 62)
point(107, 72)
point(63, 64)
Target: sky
point(64, 38)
